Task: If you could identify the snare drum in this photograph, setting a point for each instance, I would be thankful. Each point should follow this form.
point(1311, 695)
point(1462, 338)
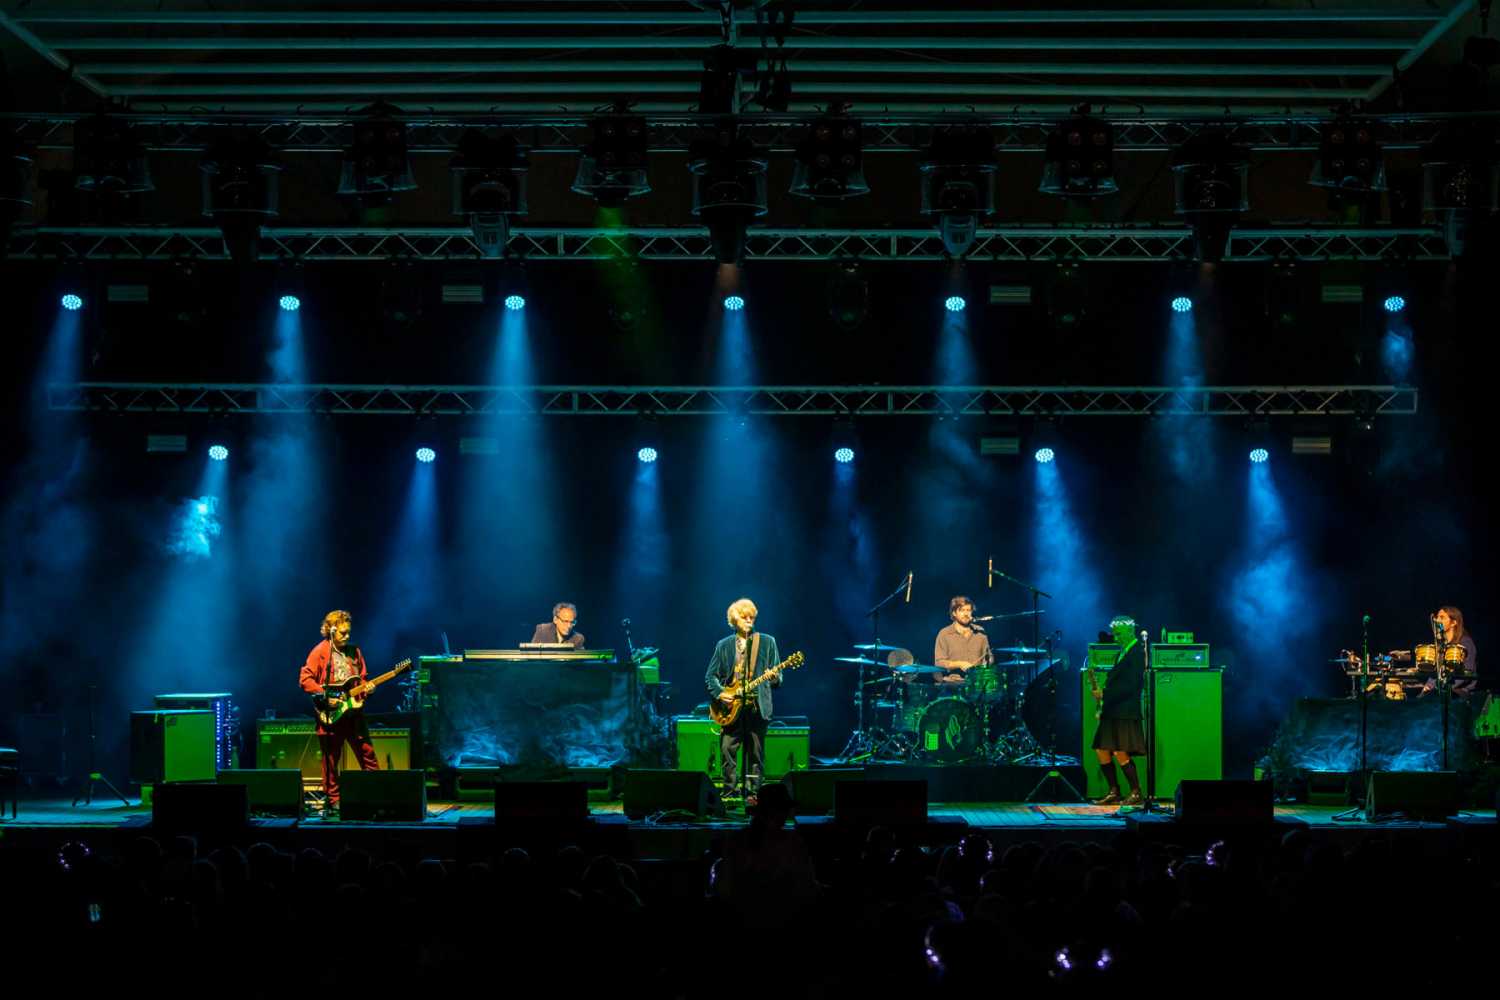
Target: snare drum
point(1427, 657)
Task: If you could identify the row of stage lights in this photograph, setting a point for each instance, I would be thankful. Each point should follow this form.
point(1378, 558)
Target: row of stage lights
point(647, 455)
point(514, 302)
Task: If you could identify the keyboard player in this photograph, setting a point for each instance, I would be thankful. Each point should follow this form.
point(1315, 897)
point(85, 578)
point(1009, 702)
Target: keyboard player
point(560, 629)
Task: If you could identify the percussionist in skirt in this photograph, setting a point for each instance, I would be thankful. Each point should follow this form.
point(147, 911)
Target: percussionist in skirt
point(1120, 735)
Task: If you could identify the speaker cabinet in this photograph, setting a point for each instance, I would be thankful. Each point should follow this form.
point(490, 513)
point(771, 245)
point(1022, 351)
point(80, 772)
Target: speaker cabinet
point(1421, 795)
point(1225, 801)
point(541, 801)
point(812, 791)
point(192, 807)
point(172, 745)
point(649, 791)
point(292, 744)
point(880, 803)
point(271, 792)
point(1189, 738)
point(383, 796)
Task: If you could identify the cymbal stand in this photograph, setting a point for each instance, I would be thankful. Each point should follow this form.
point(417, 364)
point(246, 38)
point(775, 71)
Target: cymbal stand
point(861, 744)
point(1053, 775)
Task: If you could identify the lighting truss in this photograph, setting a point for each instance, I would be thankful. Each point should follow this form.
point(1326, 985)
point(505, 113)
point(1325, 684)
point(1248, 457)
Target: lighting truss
point(704, 401)
point(1011, 244)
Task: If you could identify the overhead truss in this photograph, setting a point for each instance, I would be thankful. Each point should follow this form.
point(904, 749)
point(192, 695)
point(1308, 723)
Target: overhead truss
point(550, 133)
point(706, 401)
point(1019, 243)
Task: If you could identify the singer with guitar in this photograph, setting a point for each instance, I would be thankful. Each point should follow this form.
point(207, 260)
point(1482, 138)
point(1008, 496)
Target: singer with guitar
point(1118, 709)
point(331, 664)
point(745, 655)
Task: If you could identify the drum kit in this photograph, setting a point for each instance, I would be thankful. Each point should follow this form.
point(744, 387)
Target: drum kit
point(1404, 673)
point(917, 712)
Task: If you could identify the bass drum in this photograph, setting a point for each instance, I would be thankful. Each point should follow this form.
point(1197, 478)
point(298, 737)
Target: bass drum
point(949, 731)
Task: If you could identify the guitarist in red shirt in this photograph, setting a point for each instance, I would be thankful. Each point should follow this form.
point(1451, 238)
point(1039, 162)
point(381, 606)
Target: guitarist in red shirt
point(333, 662)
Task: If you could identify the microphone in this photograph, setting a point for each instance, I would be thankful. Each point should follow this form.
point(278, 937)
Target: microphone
point(908, 587)
point(983, 618)
point(625, 622)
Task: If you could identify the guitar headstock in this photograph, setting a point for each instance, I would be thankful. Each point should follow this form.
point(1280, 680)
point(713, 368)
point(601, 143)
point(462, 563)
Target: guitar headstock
point(792, 662)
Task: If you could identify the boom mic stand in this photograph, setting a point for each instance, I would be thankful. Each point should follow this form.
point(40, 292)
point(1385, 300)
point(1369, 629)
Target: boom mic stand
point(1053, 774)
point(860, 744)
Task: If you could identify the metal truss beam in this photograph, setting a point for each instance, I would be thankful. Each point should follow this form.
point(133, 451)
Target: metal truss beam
point(672, 133)
point(1022, 243)
point(703, 401)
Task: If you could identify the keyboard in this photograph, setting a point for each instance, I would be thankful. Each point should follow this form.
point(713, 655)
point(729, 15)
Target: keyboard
point(543, 652)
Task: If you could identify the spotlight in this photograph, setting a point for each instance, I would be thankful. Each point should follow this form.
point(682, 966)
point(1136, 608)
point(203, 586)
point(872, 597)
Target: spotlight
point(646, 455)
point(830, 159)
point(1080, 158)
point(958, 183)
point(488, 184)
point(1259, 455)
point(1349, 158)
point(844, 456)
point(376, 165)
point(1182, 304)
point(291, 303)
point(613, 165)
point(733, 303)
point(72, 302)
point(515, 302)
point(954, 303)
point(241, 188)
point(426, 455)
point(1394, 303)
point(729, 187)
point(218, 452)
point(1210, 176)
point(1044, 455)
point(109, 158)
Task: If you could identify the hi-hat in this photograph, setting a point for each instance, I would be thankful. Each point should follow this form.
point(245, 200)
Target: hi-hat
point(862, 660)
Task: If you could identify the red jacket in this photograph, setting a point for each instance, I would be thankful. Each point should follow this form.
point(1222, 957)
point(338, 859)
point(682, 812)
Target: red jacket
point(315, 671)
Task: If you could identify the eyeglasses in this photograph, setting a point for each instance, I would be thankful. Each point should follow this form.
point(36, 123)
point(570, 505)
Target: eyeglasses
point(563, 621)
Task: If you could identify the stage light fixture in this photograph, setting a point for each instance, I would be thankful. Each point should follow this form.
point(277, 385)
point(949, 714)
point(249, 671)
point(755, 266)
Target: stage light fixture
point(1182, 304)
point(955, 303)
point(830, 158)
point(376, 165)
point(1394, 303)
point(290, 303)
point(1044, 455)
point(218, 452)
point(646, 455)
point(1080, 158)
point(109, 158)
point(1349, 158)
point(515, 302)
point(729, 187)
point(72, 301)
point(1461, 179)
point(1211, 190)
point(1259, 455)
point(612, 167)
point(958, 183)
point(843, 455)
point(426, 455)
point(241, 179)
point(733, 303)
point(488, 186)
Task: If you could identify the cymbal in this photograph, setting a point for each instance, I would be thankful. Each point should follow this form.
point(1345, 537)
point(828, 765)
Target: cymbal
point(1020, 651)
point(862, 660)
point(919, 668)
point(877, 647)
point(1013, 663)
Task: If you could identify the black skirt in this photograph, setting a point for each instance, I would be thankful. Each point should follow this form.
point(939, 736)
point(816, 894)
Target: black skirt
point(1120, 734)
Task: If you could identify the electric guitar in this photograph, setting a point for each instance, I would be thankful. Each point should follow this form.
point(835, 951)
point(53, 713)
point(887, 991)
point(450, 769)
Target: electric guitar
point(1097, 693)
point(724, 713)
point(341, 698)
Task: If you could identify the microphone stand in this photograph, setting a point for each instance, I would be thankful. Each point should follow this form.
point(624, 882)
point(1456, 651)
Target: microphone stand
point(1053, 774)
point(1440, 640)
point(860, 746)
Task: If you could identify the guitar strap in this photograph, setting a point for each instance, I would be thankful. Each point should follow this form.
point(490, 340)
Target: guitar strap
point(752, 651)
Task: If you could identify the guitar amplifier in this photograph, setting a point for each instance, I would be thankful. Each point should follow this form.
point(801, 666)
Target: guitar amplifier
point(1180, 656)
point(293, 744)
point(787, 742)
point(1102, 655)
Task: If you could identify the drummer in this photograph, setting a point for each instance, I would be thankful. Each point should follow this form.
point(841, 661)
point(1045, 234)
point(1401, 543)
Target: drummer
point(1448, 623)
point(961, 644)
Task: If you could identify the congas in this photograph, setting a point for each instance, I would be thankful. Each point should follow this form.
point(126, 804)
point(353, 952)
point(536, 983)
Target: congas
point(1454, 656)
point(1427, 657)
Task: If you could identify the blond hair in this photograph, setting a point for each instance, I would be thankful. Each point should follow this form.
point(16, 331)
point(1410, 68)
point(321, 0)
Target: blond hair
point(334, 619)
point(743, 604)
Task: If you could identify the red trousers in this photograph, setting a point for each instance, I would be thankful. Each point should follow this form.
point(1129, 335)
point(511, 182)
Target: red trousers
point(350, 729)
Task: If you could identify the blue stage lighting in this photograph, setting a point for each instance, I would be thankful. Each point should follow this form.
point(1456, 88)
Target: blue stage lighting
point(1182, 304)
point(733, 303)
point(1394, 303)
point(72, 302)
point(844, 455)
point(218, 452)
point(646, 455)
point(954, 303)
point(1045, 455)
point(426, 455)
point(515, 302)
point(1259, 455)
point(291, 303)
